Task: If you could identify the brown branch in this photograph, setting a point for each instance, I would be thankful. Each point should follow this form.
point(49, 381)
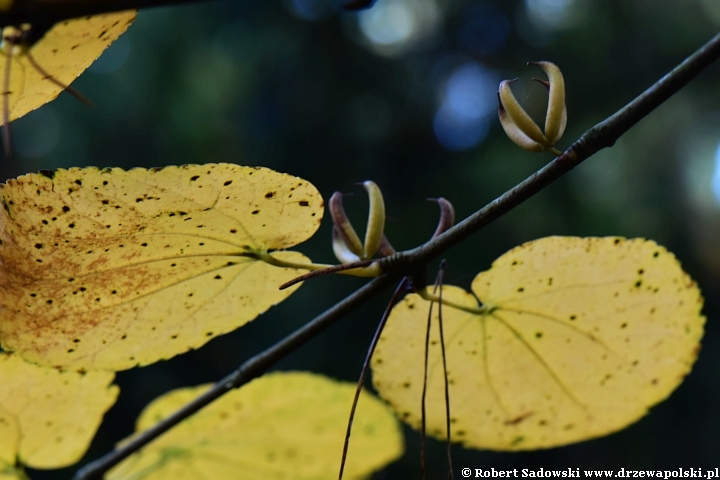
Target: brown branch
point(48, 12)
point(603, 135)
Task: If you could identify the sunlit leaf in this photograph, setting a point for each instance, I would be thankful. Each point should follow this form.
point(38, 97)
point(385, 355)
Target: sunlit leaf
point(38, 73)
point(48, 417)
point(10, 472)
point(64, 52)
point(586, 335)
point(282, 425)
point(112, 268)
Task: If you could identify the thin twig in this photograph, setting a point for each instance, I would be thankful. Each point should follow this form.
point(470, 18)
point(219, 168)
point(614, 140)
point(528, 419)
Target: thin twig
point(366, 365)
point(441, 274)
point(6, 133)
point(423, 395)
point(324, 271)
point(602, 135)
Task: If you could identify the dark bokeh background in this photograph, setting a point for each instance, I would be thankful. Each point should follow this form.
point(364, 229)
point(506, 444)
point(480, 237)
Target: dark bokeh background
point(404, 94)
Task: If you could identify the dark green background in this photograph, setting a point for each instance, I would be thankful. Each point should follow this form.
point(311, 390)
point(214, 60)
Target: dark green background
point(254, 83)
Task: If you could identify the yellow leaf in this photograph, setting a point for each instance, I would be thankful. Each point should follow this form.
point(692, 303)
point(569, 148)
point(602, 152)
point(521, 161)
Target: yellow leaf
point(48, 417)
point(112, 268)
point(582, 337)
point(282, 425)
point(64, 52)
point(10, 472)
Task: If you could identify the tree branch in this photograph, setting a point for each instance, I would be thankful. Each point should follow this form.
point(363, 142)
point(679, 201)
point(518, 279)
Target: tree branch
point(602, 135)
point(48, 12)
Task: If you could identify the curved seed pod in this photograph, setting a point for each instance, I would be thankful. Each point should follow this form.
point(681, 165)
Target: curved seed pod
point(343, 226)
point(340, 248)
point(563, 118)
point(514, 133)
point(447, 215)
point(556, 116)
point(517, 115)
point(376, 219)
point(385, 248)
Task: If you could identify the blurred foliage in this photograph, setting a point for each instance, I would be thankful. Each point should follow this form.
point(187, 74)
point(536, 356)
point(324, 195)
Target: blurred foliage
point(407, 99)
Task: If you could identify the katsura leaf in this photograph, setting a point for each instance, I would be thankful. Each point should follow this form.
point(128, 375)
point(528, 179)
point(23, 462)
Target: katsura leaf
point(63, 53)
point(49, 417)
point(578, 339)
point(112, 269)
point(282, 425)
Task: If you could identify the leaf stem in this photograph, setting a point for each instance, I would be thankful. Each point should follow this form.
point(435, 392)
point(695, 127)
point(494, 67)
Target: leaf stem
point(364, 268)
point(277, 262)
point(484, 309)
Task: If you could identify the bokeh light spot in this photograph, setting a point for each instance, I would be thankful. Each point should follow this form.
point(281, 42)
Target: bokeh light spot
point(387, 24)
point(468, 103)
point(556, 14)
point(393, 26)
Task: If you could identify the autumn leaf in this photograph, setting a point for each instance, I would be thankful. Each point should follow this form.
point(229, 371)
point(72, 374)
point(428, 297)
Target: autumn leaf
point(112, 268)
point(282, 425)
point(578, 338)
point(63, 53)
point(48, 417)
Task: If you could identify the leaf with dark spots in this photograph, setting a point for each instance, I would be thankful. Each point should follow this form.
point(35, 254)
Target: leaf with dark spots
point(61, 54)
point(149, 268)
point(579, 351)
